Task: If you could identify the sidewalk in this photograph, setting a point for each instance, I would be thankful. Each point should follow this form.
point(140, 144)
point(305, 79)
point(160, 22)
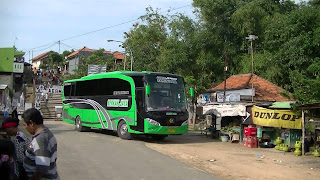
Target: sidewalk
point(234, 161)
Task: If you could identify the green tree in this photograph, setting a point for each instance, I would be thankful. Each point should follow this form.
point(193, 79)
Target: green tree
point(295, 41)
point(146, 39)
point(54, 59)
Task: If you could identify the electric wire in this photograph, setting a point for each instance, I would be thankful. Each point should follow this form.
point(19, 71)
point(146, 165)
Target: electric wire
point(52, 44)
point(74, 48)
point(101, 29)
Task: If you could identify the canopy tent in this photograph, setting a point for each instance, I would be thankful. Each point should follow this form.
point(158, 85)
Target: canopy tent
point(224, 110)
point(282, 105)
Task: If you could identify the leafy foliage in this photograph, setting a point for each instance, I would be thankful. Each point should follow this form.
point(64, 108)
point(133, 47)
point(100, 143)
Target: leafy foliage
point(286, 53)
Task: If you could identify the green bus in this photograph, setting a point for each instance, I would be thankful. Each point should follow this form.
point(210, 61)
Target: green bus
point(128, 102)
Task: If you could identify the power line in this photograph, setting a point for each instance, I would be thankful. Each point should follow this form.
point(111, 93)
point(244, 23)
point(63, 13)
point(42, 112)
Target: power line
point(40, 46)
point(94, 31)
point(52, 44)
point(69, 46)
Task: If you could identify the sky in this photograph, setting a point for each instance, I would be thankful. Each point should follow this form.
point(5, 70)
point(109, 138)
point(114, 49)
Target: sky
point(35, 26)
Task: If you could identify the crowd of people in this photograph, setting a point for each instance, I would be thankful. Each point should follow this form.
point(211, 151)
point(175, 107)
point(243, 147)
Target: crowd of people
point(51, 75)
point(23, 158)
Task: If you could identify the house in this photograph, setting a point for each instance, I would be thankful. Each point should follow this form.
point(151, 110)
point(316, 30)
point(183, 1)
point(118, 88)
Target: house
point(118, 56)
point(40, 59)
point(74, 58)
point(11, 74)
point(11, 67)
point(239, 89)
point(231, 101)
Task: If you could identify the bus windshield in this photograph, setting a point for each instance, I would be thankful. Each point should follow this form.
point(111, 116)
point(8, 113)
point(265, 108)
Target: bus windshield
point(166, 93)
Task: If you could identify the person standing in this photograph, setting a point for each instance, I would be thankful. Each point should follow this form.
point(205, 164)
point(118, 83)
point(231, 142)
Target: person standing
point(14, 112)
point(9, 169)
point(6, 112)
point(20, 141)
point(41, 155)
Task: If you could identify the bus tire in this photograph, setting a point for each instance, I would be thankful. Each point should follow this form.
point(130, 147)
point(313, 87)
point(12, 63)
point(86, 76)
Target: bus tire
point(122, 130)
point(78, 124)
point(157, 137)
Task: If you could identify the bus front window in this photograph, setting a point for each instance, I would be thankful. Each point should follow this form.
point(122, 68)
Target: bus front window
point(167, 94)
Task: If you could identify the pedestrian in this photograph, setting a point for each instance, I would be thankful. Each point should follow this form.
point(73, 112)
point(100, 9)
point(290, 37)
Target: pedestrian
point(46, 96)
point(35, 72)
point(14, 113)
point(9, 169)
point(41, 155)
point(20, 141)
point(6, 113)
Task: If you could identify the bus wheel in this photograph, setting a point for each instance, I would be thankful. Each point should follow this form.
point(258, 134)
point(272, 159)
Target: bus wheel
point(158, 137)
point(79, 126)
point(123, 130)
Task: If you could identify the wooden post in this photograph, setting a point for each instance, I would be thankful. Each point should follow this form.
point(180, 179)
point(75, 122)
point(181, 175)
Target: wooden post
point(303, 132)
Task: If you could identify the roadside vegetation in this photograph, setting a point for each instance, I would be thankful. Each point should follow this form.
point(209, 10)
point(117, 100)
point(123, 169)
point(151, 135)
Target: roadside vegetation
point(286, 53)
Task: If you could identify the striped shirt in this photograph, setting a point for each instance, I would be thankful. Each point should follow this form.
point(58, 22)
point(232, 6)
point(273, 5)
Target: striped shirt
point(41, 155)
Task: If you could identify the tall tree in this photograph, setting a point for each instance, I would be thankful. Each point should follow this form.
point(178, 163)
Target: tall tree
point(146, 39)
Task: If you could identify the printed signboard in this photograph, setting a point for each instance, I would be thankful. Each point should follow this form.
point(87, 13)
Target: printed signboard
point(276, 118)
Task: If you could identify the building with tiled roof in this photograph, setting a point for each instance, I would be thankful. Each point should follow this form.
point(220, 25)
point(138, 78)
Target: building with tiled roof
point(118, 55)
point(40, 59)
point(74, 58)
point(239, 88)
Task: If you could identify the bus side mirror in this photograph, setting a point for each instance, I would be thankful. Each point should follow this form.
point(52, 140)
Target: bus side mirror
point(147, 90)
point(191, 92)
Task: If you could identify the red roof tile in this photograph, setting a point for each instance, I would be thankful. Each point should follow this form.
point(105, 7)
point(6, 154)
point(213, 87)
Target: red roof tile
point(41, 56)
point(264, 90)
point(85, 49)
point(118, 55)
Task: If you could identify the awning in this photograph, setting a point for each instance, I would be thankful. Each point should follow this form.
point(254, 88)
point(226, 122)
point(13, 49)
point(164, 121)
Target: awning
point(282, 105)
point(223, 110)
point(3, 86)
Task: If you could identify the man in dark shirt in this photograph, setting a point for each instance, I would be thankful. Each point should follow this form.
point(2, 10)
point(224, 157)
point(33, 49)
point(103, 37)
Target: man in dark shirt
point(41, 155)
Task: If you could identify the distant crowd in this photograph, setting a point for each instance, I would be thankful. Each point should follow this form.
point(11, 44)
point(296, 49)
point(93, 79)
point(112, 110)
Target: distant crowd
point(50, 76)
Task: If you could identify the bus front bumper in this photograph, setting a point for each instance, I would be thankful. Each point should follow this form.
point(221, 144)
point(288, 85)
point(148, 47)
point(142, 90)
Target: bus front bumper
point(167, 130)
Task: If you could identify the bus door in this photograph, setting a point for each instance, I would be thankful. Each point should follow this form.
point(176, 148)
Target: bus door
point(140, 103)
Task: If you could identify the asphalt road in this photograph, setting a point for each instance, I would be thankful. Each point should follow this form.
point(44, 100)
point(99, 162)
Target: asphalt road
point(99, 155)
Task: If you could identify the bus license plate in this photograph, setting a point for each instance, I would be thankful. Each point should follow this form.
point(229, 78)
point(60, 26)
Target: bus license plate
point(171, 130)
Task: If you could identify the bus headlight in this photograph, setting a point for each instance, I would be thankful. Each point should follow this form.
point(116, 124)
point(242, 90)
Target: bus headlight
point(153, 122)
point(184, 123)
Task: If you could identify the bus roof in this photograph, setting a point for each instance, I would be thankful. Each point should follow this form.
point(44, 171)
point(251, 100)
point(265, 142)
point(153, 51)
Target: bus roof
point(115, 73)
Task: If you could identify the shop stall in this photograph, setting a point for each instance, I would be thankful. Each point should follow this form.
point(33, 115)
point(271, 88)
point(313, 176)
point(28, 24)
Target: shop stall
point(227, 119)
point(274, 123)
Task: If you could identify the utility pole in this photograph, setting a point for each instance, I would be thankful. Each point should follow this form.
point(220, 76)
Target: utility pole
point(59, 46)
point(125, 59)
point(252, 38)
point(225, 75)
point(131, 56)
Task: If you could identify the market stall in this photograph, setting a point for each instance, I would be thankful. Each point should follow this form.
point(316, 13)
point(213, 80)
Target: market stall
point(304, 108)
point(274, 123)
point(227, 119)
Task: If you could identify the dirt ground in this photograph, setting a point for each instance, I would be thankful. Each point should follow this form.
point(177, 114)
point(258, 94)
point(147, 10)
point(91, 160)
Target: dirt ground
point(234, 161)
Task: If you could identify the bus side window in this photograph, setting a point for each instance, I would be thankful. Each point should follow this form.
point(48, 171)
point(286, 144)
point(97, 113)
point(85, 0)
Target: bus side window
point(67, 91)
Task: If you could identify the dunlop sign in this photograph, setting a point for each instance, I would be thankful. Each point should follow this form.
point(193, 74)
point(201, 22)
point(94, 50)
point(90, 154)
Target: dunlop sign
point(276, 118)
